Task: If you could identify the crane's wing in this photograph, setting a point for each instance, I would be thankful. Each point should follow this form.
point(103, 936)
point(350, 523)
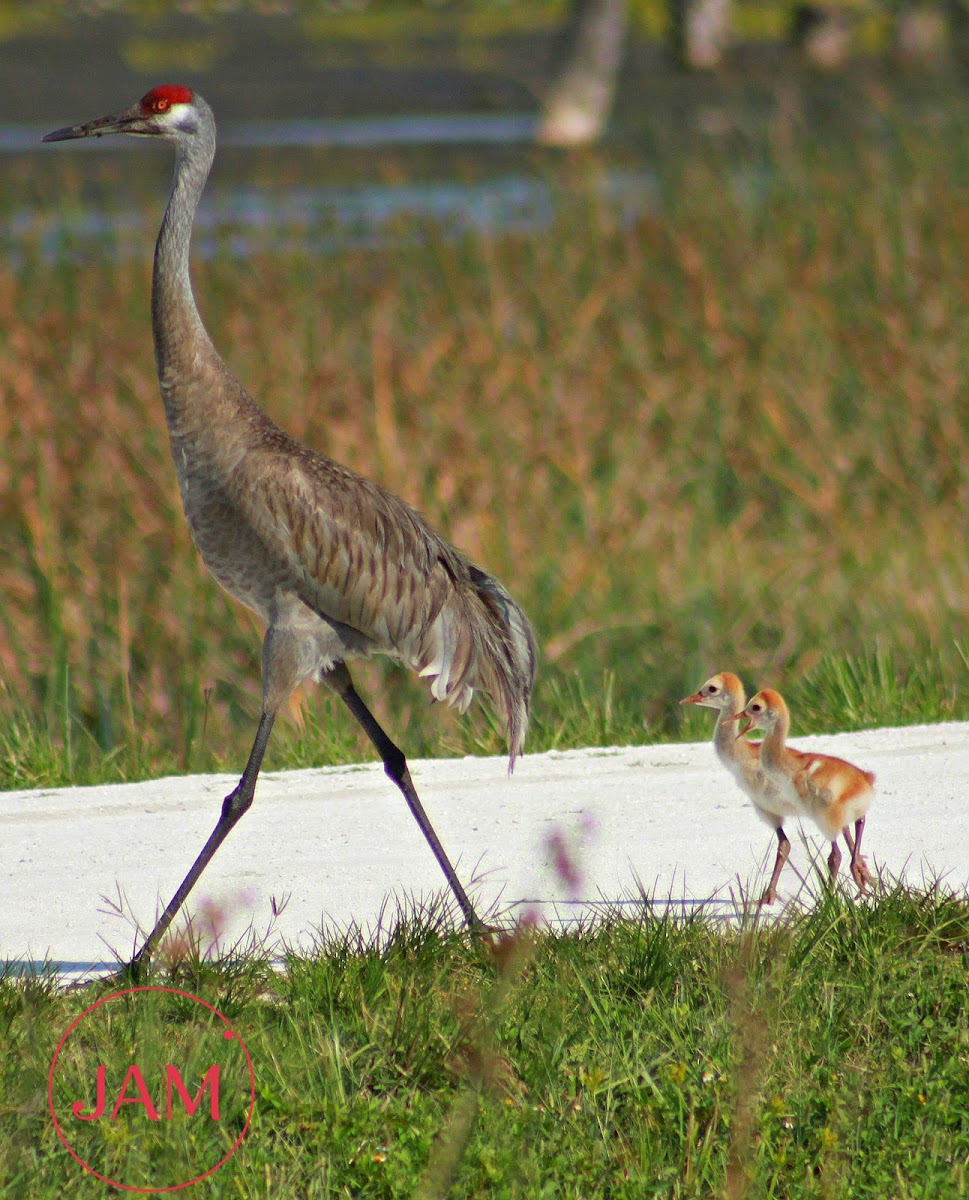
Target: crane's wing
point(360, 556)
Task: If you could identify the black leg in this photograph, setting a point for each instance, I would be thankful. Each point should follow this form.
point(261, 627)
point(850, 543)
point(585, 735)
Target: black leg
point(395, 764)
point(235, 804)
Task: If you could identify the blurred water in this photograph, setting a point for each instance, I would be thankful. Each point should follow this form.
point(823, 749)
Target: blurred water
point(430, 130)
point(414, 130)
point(324, 219)
point(241, 219)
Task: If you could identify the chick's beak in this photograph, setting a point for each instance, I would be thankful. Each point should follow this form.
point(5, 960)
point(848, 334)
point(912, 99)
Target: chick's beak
point(694, 699)
point(739, 717)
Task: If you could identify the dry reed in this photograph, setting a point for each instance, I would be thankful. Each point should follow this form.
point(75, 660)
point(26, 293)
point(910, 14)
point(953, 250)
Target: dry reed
point(733, 434)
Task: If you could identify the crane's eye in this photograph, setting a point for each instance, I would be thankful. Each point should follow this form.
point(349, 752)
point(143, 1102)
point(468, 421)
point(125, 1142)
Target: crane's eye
point(160, 104)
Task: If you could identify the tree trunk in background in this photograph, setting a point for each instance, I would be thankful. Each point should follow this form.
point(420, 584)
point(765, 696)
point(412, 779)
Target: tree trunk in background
point(577, 104)
point(700, 31)
point(823, 33)
point(957, 12)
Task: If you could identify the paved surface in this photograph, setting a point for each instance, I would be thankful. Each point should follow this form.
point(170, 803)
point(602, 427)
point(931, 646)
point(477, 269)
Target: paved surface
point(334, 844)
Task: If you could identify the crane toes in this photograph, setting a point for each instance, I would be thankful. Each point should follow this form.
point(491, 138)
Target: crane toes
point(861, 875)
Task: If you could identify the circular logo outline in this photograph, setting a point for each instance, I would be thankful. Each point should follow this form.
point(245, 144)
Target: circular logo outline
point(229, 1034)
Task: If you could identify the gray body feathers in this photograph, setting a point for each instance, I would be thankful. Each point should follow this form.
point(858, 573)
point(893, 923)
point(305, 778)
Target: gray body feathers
point(338, 567)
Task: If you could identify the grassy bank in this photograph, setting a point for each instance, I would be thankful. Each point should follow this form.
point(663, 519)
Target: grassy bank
point(733, 434)
point(823, 1056)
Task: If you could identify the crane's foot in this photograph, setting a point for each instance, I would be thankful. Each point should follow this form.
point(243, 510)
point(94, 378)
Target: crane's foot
point(131, 974)
point(136, 970)
point(128, 976)
point(861, 875)
point(769, 896)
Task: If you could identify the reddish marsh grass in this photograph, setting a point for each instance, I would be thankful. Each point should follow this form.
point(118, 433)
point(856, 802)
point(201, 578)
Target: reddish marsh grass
point(734, 433)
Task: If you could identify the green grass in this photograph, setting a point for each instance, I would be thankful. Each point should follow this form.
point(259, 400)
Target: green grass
point(823, 1055)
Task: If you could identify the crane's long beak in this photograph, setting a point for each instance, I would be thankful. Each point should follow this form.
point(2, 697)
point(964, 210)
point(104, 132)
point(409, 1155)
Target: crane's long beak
point(130, 121)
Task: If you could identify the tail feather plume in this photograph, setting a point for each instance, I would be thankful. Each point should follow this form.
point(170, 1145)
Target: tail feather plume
point(481, 640)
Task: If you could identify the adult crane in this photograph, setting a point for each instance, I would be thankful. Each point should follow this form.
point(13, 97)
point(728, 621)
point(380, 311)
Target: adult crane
point(337, 567)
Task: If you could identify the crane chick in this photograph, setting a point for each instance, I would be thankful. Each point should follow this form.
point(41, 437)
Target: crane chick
point(725, 693)
point(835, 794)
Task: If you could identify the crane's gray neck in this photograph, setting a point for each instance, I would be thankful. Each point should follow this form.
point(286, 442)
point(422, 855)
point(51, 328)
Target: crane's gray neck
point(180, 337)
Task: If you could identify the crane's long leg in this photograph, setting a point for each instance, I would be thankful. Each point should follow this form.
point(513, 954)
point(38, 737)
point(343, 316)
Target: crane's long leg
point(395, 764)
point(235, 804)
point(783, 850)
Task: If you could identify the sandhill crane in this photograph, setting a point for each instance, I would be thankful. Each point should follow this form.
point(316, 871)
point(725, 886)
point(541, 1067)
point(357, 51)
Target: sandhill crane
point(835, 794)
point(725, 693)
point(337, 567)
